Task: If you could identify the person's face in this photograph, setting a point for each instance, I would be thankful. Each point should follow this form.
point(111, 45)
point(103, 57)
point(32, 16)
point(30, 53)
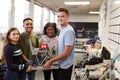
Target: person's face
point(62, 18)
point(50, 32)
point(28, 26)
point(14, 36)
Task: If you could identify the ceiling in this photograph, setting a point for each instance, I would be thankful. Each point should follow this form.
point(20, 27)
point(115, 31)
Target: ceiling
point(74, 10)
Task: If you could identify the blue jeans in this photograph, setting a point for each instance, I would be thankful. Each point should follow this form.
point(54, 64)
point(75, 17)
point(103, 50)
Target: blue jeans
point(14, 75)
point(11, 75)
point(31, 75)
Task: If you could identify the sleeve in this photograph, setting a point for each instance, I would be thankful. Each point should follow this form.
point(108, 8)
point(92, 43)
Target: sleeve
point(23, 66)
point(37, 42)
point(69, 38)
point(9, 59)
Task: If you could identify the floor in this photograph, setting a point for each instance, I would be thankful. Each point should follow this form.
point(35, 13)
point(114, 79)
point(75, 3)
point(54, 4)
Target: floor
point(78, 57)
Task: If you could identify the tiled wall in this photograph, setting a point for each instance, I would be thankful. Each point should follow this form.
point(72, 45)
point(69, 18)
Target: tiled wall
point(109, 24)
point(109, 28)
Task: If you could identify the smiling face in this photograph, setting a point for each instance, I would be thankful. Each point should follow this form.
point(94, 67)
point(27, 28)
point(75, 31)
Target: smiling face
point(14, 36)
point(62, 18)
point(50, 31)
point(28, 26)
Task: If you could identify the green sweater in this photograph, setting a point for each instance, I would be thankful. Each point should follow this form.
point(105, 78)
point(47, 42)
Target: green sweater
point(26, 43)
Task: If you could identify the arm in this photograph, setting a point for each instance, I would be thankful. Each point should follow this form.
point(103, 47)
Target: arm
point(69, 40)
point(28, 67)
point(37, 42)
point(64, 54)
point(9, 59)
point(25, 58)
point(3, 59)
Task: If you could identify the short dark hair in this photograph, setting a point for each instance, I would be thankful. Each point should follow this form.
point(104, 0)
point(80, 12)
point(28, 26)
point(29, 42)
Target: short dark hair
point(49, 24)
point(63, 10)
point(27, 19)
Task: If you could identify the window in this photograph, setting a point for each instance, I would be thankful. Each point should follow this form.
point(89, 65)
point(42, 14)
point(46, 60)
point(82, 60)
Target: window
point(37, 19)
point(21, 11)
point(52, 17)
point(46, 16)
point(56, 19)
point(26, 8)
point(5, 15)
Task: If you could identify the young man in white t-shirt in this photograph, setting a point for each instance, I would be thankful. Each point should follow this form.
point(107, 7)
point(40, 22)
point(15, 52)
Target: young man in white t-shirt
point(65, 47)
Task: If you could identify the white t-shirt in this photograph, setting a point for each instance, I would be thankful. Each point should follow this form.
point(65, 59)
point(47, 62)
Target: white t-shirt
point(52, 43)
point(66, 38)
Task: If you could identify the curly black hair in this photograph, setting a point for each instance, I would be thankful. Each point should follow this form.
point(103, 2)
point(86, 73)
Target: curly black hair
point(49, 24)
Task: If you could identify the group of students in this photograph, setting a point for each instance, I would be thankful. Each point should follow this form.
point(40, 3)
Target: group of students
point(17, 51)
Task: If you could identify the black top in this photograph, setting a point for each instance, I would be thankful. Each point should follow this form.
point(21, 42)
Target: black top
point(14, 58)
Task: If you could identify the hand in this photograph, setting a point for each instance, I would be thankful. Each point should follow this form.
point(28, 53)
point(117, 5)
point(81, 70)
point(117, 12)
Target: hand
point(29, 69)
point(47, 65)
